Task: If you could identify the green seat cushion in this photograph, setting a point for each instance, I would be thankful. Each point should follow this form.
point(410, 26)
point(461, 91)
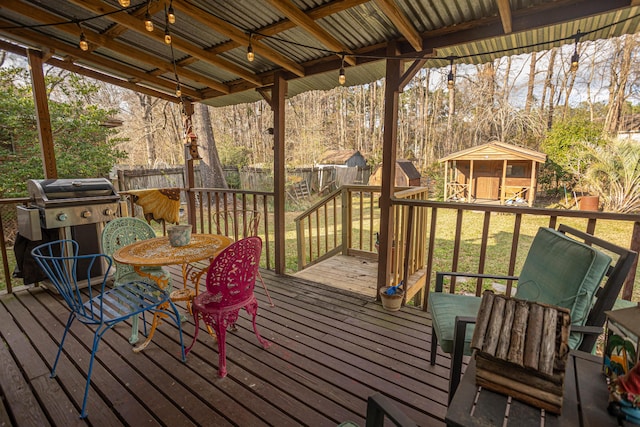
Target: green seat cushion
point(444, 308)
point(561, 271)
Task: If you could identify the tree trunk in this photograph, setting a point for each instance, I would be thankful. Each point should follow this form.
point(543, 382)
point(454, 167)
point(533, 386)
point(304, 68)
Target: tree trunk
point(550, 87)
point(619, 78)
point(530, 84)
point(147, 116)
point(210, 167)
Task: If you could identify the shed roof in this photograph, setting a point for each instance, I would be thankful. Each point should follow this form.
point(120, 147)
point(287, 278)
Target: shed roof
point(496, 150)
point(409, 169)
point(308, 41)
point(337, 157)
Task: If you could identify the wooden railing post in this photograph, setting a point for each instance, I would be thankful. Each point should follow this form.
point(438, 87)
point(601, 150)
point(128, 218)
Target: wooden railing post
point(408, 251)
point(5, 261)
point(345, 197)
point(627, 287)
point(302, 255)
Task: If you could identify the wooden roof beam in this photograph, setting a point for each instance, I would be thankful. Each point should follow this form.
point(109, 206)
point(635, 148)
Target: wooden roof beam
point(111, 80)
point(96, 39)
point(238, 36)
point(116, 29)
point(504, 7)
point(285, 24)
point(401, 22)
point(38, 39)
point(135, 24)
point(292, 12)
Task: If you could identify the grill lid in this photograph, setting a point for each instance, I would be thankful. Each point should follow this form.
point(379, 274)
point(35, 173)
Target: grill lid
point(71, 191)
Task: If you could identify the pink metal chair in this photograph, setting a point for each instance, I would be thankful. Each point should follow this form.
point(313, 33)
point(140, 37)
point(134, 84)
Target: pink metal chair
point(230, 280)
point(239, 224)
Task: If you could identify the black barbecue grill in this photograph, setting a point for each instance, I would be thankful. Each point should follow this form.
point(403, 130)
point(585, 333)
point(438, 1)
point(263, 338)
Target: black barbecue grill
point(71, 202)
point(68, 209)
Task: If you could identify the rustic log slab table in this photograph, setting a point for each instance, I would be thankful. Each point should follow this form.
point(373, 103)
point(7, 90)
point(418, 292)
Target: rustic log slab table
point(585, 400)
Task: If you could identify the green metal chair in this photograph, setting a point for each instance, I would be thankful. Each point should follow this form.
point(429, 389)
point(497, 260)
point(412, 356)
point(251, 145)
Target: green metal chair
point(559, 270)
point(121, 232)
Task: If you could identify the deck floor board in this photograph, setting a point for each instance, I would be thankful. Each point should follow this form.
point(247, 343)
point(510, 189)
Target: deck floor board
point(331, 349)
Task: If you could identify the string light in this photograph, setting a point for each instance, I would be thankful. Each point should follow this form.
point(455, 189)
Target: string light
point(250, 55)
point(148, 25)
point(575, 57)
point(171, 16)
point(178, 90)
point(342, 78)
point(167, 36)
point(124, 3)
point(83, 39)
point(450, 78)
point(83, 42)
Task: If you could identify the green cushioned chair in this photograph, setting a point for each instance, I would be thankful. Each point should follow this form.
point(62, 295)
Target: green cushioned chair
point(559, 270)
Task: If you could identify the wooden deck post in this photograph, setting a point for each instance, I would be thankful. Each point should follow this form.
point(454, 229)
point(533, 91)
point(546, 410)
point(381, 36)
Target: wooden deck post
point(41, 103)
point(446, 180)
point(503, 186)
point(534, 182)
point(277, 104)
point(190, 177)
point(391, 97)
point(395, 81)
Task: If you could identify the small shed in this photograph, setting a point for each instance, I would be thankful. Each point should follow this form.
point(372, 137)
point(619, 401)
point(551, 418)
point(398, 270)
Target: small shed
point(349, 158)
point(406, 175)
point(495, 171)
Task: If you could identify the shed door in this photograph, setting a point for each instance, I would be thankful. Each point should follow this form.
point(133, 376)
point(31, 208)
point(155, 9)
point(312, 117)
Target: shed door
point(486, 178)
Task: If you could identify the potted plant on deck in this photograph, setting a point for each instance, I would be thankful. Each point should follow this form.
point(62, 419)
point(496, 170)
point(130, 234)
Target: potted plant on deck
point(392, 296)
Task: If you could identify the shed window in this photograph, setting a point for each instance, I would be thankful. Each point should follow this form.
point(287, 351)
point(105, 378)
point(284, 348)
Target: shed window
point(515, 171)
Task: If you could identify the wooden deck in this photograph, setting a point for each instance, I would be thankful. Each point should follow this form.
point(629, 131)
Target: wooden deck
point(349, 273)
point(331, 350)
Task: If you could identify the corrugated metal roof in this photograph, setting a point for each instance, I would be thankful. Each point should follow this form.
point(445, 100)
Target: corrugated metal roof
point(469, 30)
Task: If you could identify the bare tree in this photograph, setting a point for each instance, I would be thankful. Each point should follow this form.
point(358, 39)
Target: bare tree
point(147, 103)
point(210, 168)
point(619, 76)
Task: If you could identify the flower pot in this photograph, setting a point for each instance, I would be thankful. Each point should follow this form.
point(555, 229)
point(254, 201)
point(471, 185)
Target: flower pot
point(391, 302)
point(179, 235)
point(589, 203)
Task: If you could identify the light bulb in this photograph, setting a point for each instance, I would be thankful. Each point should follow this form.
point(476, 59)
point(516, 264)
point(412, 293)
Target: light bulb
point(83, 42)
point(178, 91)
point(167, 37)
point(147, 22)
point(450, 80)
point(574, 62)
point(124, 3)
point(342, 78)
point(171, 16)
point(250, 55)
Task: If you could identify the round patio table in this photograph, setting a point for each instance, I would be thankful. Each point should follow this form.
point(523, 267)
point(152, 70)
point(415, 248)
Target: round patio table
point(158, 252)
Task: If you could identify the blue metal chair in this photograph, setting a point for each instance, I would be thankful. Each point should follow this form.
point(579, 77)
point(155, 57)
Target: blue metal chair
point(121, 232)
point(101, 307)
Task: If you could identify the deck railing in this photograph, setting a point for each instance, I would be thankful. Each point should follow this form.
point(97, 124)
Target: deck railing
point(347, 220)
point(7, 217)
point(418, 224)
point(210, 200)
point(468, 241)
